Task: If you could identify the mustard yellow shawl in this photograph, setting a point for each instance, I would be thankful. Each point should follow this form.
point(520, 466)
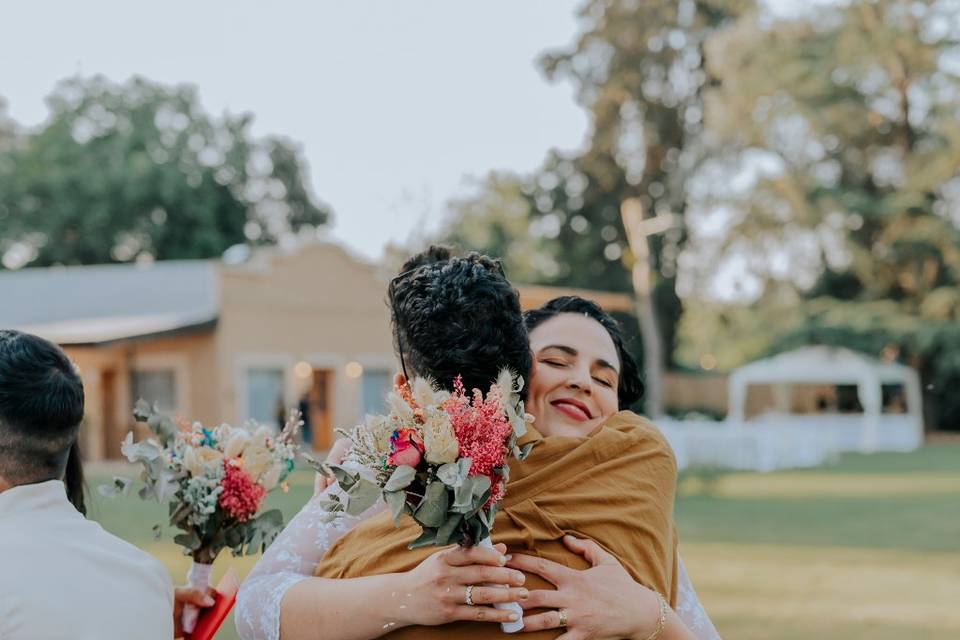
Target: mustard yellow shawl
point(615, 486)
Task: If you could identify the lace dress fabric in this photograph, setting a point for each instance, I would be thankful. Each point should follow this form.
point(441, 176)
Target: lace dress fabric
point(292, 557)
point(295, 553)
point(689, 608)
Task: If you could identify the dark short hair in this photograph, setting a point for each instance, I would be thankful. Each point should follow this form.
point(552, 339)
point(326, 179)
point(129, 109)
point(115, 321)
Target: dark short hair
point(41, 408)
point(630, 389)
point(458, 316)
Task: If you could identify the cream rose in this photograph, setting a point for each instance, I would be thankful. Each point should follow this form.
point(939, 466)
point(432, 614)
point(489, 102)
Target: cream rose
point(439, 439)
point(196, 457)
point(271, 478)
point(257, 459)
point(236, 442)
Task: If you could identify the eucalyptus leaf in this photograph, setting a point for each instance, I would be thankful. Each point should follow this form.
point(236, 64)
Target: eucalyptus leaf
point(450, 474)
point(425, 539)
point(362, 496)
point(253, 544)
point(119, 487)
point(344, 477)
point(397, 501)
point(142, 410)
point(401, 478)
point(432, 512)
point(525, 450)
point(463, 495)
point(481, 484)
point(144, 450)
point(449, 530)
point(272, 518)
point(189, 540)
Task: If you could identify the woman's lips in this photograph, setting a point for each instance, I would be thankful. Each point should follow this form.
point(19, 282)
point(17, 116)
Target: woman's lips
point(576, 410)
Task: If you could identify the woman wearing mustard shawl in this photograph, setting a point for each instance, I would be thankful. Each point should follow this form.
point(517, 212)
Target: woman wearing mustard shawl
point(610, 482)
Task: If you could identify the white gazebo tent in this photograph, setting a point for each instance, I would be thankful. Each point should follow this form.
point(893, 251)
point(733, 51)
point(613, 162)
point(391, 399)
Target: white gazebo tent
point(831, 365)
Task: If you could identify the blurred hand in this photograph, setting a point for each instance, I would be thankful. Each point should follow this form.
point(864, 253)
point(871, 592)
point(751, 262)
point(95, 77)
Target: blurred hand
point(337, 452)
point(188, 595)
point(602, 602)
point(436, 588)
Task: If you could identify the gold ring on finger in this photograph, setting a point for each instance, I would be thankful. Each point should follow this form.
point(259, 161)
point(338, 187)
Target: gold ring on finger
point(468, 595)
point(563, 617)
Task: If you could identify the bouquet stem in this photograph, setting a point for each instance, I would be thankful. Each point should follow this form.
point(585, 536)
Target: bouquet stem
point(508, 627)
point(198, 577)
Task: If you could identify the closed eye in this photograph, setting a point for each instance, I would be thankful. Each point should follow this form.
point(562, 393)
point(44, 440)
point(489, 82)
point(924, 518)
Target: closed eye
point(605, 383)
point(554, 363)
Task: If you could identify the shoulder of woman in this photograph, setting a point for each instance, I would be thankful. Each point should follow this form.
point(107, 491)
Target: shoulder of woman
point(635, 434)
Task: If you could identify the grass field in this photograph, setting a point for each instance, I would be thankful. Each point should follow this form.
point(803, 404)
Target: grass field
point(865, 548)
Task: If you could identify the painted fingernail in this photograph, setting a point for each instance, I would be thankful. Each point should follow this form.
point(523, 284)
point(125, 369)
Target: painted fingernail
point(524, 594)
point(508, 557)
point(519, 578)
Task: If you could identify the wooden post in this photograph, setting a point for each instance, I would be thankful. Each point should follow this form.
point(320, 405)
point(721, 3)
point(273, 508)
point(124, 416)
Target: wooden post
point(638, 231)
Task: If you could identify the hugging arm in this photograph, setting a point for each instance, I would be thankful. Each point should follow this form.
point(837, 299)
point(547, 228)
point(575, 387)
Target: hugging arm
point(599, 603)
point(292, 558)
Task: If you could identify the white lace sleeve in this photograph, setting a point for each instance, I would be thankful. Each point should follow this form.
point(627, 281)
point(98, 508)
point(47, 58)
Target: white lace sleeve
point(292, 557)
point(689, 608)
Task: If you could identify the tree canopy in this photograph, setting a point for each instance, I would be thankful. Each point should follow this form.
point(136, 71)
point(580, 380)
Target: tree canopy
point(139, 170)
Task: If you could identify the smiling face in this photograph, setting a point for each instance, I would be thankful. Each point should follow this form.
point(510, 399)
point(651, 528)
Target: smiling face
point(573, 385)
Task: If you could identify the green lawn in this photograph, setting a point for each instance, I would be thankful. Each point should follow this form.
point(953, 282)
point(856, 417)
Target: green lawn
point(866, 548)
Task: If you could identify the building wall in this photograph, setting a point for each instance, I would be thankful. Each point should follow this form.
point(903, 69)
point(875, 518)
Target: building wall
point(106, 372)
point(318, 306)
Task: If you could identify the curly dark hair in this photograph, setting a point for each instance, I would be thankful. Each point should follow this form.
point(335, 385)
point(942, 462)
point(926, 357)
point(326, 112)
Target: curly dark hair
point(630, 389)
point(457, 316)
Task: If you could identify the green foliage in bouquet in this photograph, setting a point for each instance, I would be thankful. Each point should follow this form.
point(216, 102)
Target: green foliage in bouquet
point(438, 457)
point(212, 479)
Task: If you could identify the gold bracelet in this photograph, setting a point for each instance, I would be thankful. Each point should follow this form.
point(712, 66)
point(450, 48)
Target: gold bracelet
point(662, 622)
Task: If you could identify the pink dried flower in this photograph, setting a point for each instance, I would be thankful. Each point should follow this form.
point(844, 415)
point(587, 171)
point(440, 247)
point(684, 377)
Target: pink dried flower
point(241, 496)
point(482, 428)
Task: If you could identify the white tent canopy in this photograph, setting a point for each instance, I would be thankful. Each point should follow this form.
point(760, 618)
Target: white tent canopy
point(830, 365)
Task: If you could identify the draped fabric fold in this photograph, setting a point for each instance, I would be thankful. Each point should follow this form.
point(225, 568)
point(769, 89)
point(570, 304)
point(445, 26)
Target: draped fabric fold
point(615, 486)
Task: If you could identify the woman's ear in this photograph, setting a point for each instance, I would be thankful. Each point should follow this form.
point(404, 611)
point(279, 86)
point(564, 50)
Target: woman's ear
point(399, 379)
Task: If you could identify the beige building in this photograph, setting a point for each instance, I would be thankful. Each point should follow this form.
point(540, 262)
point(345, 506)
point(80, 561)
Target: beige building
point(218, 342)
point(215, 342)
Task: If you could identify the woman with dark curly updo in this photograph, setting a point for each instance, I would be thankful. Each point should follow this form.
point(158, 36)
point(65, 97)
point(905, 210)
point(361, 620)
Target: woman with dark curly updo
point(459, 316)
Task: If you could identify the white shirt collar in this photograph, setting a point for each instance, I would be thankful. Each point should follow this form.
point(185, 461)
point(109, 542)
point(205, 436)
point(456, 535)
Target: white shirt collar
point(25, 498)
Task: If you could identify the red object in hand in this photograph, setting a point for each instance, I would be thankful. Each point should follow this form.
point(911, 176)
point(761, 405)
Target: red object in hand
point(212, 617)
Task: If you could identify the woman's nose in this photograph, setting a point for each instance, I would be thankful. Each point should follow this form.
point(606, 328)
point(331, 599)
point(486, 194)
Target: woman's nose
point(579, 379)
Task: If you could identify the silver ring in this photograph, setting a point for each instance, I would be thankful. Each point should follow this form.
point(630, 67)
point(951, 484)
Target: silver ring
point(563, 617)
point(468, 595)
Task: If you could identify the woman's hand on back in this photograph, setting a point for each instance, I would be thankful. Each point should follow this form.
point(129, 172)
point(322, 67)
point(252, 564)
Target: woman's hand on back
point(602, 602)
point(436, 589)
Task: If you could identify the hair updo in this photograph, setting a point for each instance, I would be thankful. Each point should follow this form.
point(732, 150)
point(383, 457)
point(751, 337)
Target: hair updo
point(458, 316)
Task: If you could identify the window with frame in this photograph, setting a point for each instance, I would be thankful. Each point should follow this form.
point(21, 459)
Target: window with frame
point(265, 400)
point(374, 387)
point(156, 386)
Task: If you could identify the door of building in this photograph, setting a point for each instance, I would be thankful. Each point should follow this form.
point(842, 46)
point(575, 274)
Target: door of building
point(320, 399)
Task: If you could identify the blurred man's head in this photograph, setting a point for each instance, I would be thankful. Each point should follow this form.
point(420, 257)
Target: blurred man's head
point(41, 407)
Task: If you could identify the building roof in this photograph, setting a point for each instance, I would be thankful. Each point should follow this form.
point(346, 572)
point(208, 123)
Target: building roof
point(106, 303)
